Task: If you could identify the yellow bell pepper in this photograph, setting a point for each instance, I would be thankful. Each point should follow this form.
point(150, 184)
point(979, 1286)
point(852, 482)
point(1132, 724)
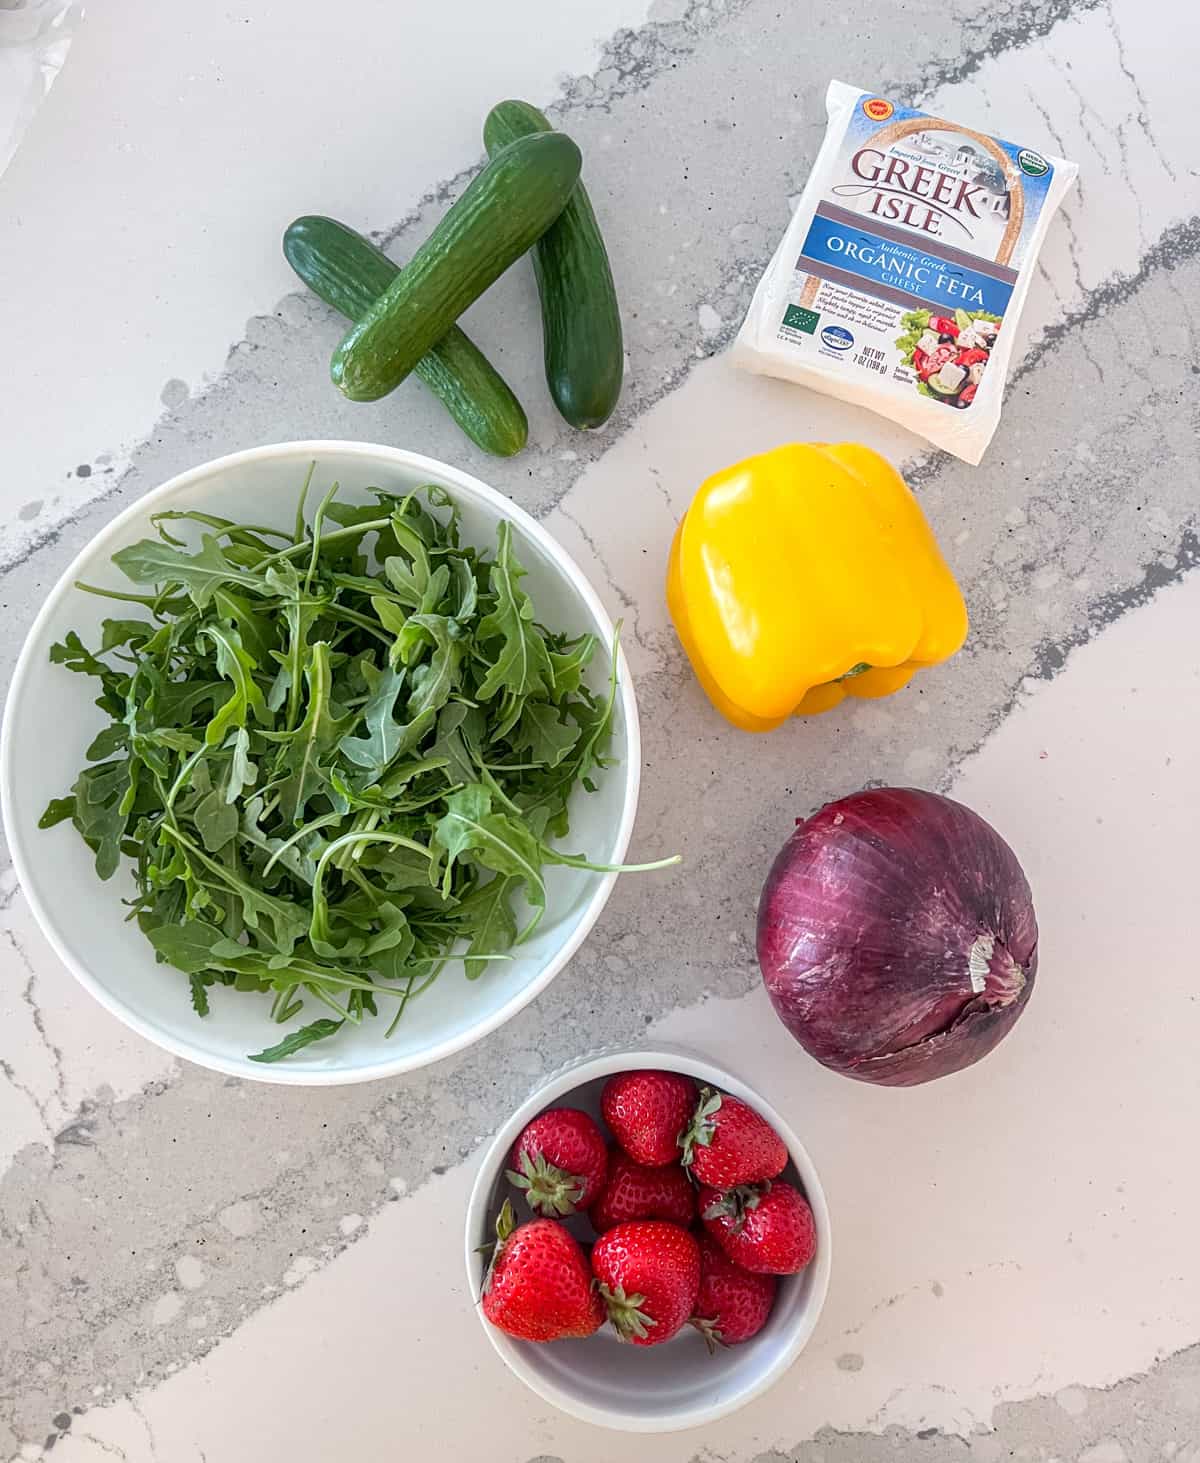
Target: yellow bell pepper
point(805, 575)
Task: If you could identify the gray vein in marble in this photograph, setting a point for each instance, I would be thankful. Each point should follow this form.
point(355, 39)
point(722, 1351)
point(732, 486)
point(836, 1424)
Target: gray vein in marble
point(40, 1103)
point(1068, 222)
point(1150, 1416)
point(1000, 28)
point(1143, 117)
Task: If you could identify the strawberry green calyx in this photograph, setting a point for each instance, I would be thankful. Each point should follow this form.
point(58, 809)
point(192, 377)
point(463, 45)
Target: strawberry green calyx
point(548, 1189)
point(701, 1129)
point(506, 1222)
point(711, 1332)
point(625, 1313)
point(737, 1203)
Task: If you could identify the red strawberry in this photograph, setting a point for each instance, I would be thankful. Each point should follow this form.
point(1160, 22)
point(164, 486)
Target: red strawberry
point(647, 1112)
point(633, 1191)
point(767, 1229)
point(539, 1286)
point(649, 1274)
point(560, 1160)
point(732, 1305)
point(728, 1143)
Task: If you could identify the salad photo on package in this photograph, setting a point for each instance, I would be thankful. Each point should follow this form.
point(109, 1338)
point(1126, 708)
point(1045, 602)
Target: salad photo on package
point(948, 352)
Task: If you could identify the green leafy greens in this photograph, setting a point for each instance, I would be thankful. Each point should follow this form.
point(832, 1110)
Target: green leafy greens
point(334, 758)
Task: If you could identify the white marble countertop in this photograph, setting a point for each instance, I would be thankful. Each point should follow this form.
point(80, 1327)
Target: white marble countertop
point(196, 1269)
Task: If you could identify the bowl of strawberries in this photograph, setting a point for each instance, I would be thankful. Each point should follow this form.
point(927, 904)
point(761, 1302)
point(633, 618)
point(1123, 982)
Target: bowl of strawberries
point(649, 1242)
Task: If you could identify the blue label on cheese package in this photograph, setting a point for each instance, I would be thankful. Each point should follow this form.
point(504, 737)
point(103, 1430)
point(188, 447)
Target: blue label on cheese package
point(901, 270)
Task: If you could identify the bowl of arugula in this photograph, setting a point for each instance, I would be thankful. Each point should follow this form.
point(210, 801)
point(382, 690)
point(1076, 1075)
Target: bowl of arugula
point(343, 757)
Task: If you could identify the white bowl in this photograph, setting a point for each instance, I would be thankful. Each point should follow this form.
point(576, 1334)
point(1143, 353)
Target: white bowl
point(678, 1384)
point(50, 720)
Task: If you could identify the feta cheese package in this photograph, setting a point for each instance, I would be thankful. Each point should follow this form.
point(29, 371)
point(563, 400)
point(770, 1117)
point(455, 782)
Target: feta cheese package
point(902, 273)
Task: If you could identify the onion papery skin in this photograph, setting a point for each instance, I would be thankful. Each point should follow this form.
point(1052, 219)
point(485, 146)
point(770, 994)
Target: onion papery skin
point(897, 936)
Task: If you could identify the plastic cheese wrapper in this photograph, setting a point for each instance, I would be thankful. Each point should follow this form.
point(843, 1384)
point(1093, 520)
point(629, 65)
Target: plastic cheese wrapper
point(900, 279)
point(35, 36)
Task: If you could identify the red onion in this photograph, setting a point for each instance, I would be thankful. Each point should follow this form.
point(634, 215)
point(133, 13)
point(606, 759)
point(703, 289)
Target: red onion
point(896, 936)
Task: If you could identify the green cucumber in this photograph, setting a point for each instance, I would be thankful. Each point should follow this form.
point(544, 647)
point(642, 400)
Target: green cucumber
point(505, 209)
point(581, 323)
point(350, 273)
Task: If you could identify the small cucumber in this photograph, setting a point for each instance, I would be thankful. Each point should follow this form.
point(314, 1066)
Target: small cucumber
point(505, 209)
point(350, 273)
point(581, 323)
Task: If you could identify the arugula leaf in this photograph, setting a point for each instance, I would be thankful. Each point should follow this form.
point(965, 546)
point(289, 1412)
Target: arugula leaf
point(394, 618)
point(152, 562)
point(457, 831)
point(299, 612)
point(179, 702)
point(413, 633)
point(257, 633)
point(522, 663)
point(312, 739)
point(279, 923)
point(58, 810)
point(297, 1040)
point(451, 744)
point(99, 814)
point(567, 666)
point(392, 792)
point(188, 947)
point(298, 853)
point(541, 732)
point(114, 738)
point(498, 842)
point(115, 633)
point(486, 915)
point(466, 589)
point(435, 680)
point(382, 742)
point(432, 683)
point(216, 820)
point(507, 846)
point(199, 989)
point(242, 772)
point(72, 653)
point(237, 666)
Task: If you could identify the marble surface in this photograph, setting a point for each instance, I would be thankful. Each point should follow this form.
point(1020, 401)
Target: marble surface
point(193, 1268)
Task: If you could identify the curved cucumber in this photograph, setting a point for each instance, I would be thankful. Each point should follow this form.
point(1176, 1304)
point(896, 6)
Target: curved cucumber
point(581, 323)
point(350, 273)
point(505, 209)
